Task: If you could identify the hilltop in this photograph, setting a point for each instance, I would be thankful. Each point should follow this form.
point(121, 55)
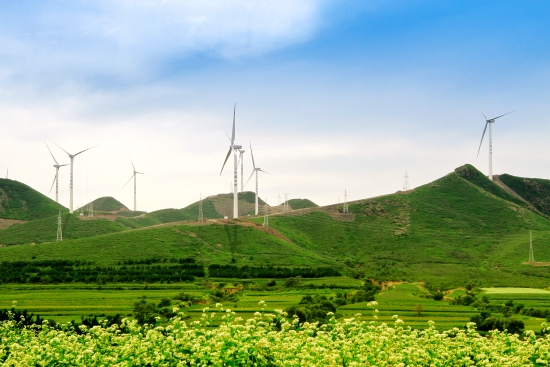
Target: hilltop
point(295, 204)
point(21, 202)
point(105, 204)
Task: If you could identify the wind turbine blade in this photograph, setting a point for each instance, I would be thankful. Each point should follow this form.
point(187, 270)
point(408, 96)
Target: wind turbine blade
point(133, 164)
point(128, 181)
point(252, 154)
point(228, 137)
point(55, 160)
point(233, 133)
point(250, 177)
point(487, 123)
point(484, 115)
point(82, 151)
point(59, 147)
point(52, 184)
point(226, 158)
point(503, 115)
point(266, 172)
point(63, 165)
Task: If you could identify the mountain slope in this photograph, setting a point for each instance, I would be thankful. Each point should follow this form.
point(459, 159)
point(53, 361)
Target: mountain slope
point(106, 204)
point(535, 191)
point(19, 201)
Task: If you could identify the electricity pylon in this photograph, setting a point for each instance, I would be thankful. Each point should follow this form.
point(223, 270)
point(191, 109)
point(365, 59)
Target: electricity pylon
point(59, 232)
point(406, 182)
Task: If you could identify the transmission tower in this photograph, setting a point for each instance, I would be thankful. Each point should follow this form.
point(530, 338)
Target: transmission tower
point(406, 182)
point(531, 256)
point(90, 210)
point(279, 204)
point(200, 209)
point(266, 215)
point(346, 210)
point(59, 232)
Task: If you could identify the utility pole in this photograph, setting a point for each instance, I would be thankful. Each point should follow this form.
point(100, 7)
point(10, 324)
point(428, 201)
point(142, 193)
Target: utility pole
point(59, 232)
point(531, 256)
point(345, 210)
point(406, 182)
point(200, 209)
point(266, 213)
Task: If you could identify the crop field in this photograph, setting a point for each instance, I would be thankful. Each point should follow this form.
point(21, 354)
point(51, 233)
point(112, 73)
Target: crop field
point(64, 303)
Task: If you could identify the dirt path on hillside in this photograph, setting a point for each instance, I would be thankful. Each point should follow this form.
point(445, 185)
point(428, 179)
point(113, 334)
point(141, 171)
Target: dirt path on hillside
point(5, 223)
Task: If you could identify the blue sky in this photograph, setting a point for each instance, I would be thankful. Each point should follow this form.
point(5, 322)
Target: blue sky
point(333, 95)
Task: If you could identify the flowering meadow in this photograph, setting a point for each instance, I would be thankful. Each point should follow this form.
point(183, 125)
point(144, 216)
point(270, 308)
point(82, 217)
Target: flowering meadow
point(267, 339)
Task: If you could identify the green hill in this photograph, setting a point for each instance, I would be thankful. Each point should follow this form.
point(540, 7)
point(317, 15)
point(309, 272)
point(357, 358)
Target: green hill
point(106, 204)
point(301, 204)
point(45, 229)
point(19, 201)
point(535, 191)
point(459, 229)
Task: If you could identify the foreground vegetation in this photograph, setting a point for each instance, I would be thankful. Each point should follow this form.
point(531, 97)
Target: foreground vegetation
point(267, 339)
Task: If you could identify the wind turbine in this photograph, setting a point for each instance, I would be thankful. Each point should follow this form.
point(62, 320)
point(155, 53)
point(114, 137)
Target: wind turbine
point(489, 121)
point(56, 178)
point(72, 161)
point(255, 170)
point(233, 148)
point(241, 151)
point(134, 177)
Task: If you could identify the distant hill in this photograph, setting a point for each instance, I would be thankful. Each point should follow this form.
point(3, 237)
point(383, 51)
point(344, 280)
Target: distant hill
point(301, 204)
point(106, 204)
point(19, 201)
point(213, 207)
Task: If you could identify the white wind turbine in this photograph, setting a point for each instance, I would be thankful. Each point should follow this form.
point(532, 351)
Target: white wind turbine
point(255, 170)
point(56, 177)
point(489, 121)
point(72, 161)
point(233, 148)
point(241, 153)
point(134, 177)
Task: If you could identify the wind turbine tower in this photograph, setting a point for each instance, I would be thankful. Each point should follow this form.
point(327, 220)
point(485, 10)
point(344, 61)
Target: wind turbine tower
point(255, 170)
point(56, 178)
point(72, 162)
point(233, 148)
point(201, 217)
point(134, 175)
point(490, 122)
point(241, 153)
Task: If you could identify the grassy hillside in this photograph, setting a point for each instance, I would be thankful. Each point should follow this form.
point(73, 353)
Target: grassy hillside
point(19, 201)
point(536, 191)
point(45, 230)
point(301, 204)
point(449, 231)
point(472, 174)
point(106, 204)
point(218, 244)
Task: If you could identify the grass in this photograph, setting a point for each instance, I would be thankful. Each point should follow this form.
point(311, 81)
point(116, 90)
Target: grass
point(301, 204)
point(534, 190)
point(19, 201)
point(45, 230)
point(522, 291)
point(106, 204)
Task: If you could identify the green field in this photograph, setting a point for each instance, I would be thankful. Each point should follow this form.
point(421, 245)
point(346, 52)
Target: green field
point(64, 303)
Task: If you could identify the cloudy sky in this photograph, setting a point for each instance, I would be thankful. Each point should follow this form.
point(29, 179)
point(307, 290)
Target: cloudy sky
point(333, 95)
